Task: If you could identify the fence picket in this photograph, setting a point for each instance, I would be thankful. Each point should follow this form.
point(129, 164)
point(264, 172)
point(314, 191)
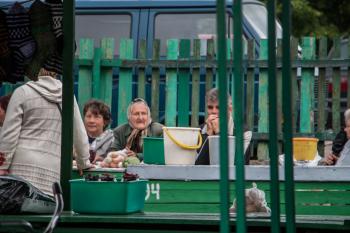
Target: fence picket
point(195, 84)
point(336, 88)
point(155, 82)
point(171, 84)
point(86, 51)
point(125, 81)
point(106, 83)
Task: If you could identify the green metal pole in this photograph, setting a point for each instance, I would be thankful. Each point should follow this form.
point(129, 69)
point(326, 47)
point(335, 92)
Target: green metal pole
point(68, 97)
point(273, 147)
point(288, 119)
point(224, 182)
point(238, 115)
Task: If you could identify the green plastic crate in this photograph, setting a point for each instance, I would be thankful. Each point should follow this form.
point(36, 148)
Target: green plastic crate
point(153, 150)
point(104, 197)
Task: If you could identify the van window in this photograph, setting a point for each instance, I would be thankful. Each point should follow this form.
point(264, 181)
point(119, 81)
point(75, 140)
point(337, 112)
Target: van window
point(100, 26)
point(256, 15)
point(185, 26)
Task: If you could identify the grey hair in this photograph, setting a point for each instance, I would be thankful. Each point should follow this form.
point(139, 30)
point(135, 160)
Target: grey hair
point(139, 100)
point(213, 96)
point(347, 115)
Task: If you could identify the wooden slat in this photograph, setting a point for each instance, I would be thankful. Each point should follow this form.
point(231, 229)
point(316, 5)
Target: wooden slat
point(279, 93)
point(336, 88)
point(106, 83)
point(348, 78)
point(96, 74)
point(184, 85)
point(155, 82)
point(321, 103)
point(195, 85)
point(171, 84)
point(141, 85)
point(125, 81)
point(250, 86)
point(307, 88)
point(295, 89)
point(86, 51)
point(263, 102)
point(209, 71)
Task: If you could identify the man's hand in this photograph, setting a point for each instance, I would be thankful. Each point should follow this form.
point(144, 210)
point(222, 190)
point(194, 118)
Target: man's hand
point(212, 124)
point(330, 159)
point(81, 171)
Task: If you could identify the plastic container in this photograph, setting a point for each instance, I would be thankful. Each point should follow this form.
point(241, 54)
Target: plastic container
point(104, 197)
point(214, 145)
point(153, 150)
point(180, 145)
point(304, 148)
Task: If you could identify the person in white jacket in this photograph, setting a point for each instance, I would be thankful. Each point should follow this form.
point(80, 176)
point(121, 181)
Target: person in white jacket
point(30, 140)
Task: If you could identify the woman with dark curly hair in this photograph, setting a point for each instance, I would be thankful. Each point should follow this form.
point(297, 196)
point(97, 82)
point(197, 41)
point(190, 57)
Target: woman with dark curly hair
point(97, 117)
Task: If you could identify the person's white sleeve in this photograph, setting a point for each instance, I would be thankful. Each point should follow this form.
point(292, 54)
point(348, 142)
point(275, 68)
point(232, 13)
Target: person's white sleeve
point(80, 140)
point(12, 127)
point(247, 138)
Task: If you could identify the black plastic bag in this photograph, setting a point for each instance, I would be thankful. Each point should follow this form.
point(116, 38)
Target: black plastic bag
point(19, 196)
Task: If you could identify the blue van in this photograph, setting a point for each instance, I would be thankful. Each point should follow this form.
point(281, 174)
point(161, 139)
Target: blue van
point(163, 19)
point(160, 19)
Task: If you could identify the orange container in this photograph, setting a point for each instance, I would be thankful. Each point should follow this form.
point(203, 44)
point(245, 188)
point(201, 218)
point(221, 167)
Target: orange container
point(304, 148)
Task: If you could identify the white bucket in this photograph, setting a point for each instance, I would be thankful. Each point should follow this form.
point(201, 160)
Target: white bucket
point(214, 145)
point(180, 145)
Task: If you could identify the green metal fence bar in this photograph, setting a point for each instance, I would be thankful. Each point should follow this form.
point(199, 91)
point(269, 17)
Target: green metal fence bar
point(272, 106)
point(68, 98)
point(224, 174)
point(238, 97)
point(288, 118)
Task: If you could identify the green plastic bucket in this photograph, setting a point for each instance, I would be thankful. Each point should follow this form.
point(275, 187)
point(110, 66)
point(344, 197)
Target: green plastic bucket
point(107, 197)
point(153, 150)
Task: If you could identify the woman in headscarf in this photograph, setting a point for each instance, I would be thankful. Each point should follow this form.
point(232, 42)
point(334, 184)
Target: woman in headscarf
point(128, 137)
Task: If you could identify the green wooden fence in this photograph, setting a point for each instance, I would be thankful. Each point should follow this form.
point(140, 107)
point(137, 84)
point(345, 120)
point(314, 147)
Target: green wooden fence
point(184, 66)
point(188, 74)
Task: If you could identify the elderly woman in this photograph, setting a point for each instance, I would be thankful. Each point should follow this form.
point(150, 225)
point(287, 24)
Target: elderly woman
point(97, 117)
point(128, 137)
point(341, 144)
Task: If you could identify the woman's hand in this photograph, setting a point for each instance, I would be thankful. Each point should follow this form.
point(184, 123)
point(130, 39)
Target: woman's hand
point(129, 152)
point(4, 172)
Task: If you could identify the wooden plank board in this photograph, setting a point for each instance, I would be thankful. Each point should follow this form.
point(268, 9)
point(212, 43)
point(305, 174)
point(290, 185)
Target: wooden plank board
point(125, 81)
point(141, 85)
point(155, 82)
point(171, 84)
point(250, 86)
point(96, 74)
point(106, 83)
point(183, 97)
point(307, 87)
point(209, 71)
point(195, 98)
point(86, 51)
point(263, 102)
point(336, 88)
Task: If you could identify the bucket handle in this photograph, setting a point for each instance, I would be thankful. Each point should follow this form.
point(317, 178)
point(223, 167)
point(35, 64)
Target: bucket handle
point(182, 145)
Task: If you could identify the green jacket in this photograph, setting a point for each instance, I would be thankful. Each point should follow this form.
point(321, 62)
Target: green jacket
point(122, 132)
